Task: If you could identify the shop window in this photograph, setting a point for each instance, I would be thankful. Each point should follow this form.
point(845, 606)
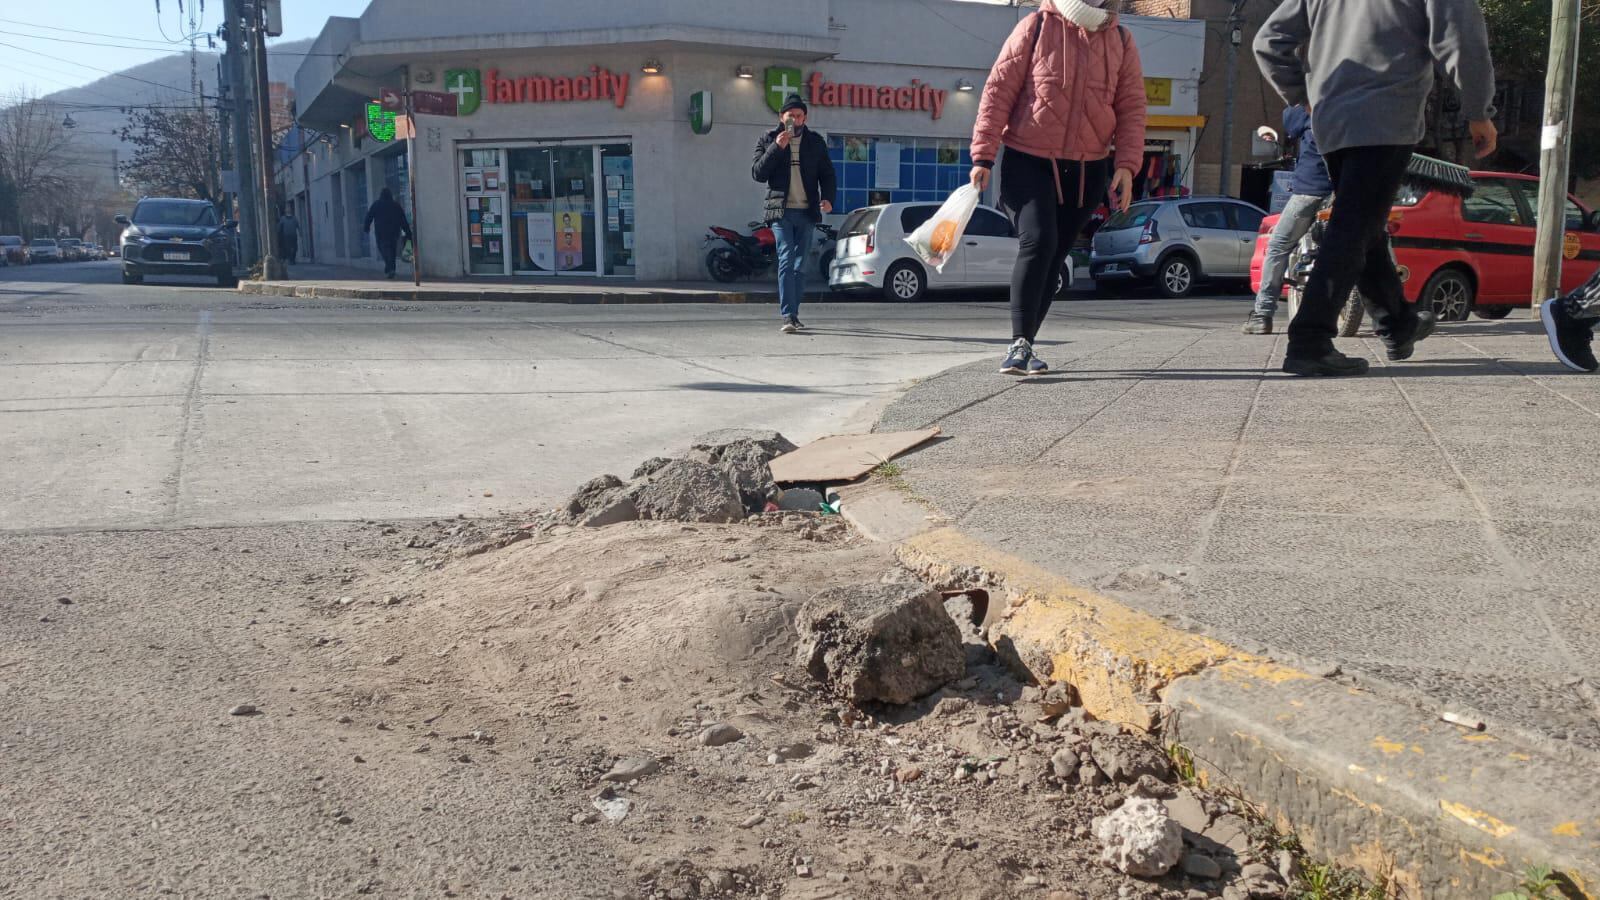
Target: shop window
point(876, 169)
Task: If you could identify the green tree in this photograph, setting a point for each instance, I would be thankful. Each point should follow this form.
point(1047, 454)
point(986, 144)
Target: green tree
point(1519, 36)
point(173, 153)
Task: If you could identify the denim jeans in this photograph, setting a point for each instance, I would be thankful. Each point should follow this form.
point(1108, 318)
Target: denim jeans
point(1293, 223)
point(793, 232)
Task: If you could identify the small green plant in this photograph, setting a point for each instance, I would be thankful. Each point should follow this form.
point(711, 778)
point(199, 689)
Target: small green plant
point(1538, 883)
point(797, 818)
point(1324, 882)
point(889, 470)
point(1182, 762)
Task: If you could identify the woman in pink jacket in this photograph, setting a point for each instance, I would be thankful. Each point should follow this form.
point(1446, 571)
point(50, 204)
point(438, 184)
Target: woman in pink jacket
point(1066, 89)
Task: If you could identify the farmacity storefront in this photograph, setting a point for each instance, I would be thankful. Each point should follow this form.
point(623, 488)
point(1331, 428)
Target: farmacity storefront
point(601, 138)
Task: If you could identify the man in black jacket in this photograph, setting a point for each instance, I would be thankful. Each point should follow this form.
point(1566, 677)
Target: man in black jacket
point(793, 162)
point(388, 220)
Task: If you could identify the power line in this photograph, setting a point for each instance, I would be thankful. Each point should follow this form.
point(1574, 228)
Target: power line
point(104, 71)
point(175, 50)
point(93, 33)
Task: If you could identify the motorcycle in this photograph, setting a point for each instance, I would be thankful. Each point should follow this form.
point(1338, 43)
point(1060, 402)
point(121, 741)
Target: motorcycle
point(1423, 174)
point(732, 255)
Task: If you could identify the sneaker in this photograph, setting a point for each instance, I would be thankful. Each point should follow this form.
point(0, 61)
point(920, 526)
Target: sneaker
point(1570, 338)
point(1333, 363)
point(1258, 324)
point(790, 326)
point(1037, 366)
point(1399, 349)
point(797, 323)
point(1017, 358)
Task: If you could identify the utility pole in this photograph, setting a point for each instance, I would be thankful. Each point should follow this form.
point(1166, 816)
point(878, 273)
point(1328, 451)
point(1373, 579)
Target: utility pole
point(1235, 37)
point(238, 106)
point(1555, 149)
point(411, 182)
point(272, 267)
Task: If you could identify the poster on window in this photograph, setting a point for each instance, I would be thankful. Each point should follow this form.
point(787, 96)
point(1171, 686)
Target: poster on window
point(569, 241)
point(542, 240)
point(886, 174)
point(475, 182)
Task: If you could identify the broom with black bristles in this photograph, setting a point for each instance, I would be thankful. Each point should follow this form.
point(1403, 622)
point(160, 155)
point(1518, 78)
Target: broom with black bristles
point(1429, 174)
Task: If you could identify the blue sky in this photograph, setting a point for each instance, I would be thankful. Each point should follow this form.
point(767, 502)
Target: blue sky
point(41, 58)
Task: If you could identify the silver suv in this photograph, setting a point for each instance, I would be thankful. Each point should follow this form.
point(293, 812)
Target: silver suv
point(1174, 243)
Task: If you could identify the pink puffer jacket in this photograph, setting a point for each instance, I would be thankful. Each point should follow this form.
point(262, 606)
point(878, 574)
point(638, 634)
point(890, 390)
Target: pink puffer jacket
point(1061, 92)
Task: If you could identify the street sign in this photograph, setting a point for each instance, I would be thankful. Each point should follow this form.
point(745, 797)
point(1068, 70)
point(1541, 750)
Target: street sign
point(405, 128)
point(390, 99)
point(434, 103)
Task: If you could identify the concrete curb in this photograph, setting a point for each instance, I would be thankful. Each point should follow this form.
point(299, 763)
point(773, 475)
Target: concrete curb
point(1365, 781)
point(472, 295)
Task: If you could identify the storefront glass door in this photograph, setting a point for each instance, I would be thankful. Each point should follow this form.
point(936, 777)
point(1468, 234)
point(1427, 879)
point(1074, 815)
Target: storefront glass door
point(553, 211)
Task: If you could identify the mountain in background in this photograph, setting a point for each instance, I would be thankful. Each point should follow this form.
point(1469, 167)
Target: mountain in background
point(96, 107)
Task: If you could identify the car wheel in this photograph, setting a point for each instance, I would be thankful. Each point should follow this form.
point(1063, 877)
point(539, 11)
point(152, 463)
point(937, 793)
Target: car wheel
point(1492, 312)
point(132, 277)
point(905, 282)
point(1450, 294)
point(1176, 276)
point(1064, 280)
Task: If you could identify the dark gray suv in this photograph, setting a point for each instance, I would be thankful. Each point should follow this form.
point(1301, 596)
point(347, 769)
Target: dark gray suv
point(171, 236)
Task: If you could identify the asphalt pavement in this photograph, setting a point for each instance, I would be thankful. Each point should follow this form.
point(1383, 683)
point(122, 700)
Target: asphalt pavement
point(169, 404)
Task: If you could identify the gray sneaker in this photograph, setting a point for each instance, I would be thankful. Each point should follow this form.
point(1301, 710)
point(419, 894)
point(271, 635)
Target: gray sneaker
point(1258, 323)
point(1017, 358)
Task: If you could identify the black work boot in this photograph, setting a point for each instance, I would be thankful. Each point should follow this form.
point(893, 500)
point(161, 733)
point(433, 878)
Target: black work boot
point(1258, 323)
point(1401, 342)
point(1331, 364)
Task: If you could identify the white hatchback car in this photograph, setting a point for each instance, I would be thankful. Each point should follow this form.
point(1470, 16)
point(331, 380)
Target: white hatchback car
point(872, 254)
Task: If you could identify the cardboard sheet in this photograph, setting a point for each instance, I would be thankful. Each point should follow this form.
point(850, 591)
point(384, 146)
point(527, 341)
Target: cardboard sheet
point(845, 457)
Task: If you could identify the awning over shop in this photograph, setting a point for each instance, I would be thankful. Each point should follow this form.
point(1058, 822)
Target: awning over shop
point(1175, 122)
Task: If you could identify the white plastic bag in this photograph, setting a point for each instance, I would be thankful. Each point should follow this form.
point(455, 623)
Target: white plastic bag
point(936, 240)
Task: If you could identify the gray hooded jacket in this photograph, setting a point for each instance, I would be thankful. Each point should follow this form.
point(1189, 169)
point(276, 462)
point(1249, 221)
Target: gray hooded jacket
point(1365, 67)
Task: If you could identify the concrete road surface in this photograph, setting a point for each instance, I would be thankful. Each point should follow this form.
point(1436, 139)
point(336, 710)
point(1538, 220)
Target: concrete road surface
point(170, 404)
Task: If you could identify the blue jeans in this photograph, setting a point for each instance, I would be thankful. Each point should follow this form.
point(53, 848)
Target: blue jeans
point(1293, 223)
point(793, 232)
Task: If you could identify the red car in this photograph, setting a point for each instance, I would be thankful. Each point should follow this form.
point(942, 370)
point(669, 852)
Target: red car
point(1474, 256)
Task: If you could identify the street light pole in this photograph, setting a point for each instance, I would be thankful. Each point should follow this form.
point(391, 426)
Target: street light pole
point(1235, 36)
point(1555, 149)
point(243, 167)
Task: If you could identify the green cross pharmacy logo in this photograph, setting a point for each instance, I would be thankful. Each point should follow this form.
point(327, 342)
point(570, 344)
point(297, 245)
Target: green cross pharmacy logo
point(467, 85)
point(781, 82)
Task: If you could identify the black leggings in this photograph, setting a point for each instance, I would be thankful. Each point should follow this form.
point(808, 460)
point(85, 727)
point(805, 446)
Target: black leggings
point(1046, 229)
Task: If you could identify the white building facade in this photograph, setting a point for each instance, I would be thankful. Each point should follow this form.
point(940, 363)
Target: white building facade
point(603, 138)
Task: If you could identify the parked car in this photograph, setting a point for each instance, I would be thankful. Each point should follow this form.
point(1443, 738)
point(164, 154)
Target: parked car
point(14, 249)
point(1475, 256)
point(872, 254)
point(171, 236)
point(71, 249)
point(1175, 243)
point(44, 250)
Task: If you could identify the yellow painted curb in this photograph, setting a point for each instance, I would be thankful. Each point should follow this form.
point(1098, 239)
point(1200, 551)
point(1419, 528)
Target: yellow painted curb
point(1117, 658)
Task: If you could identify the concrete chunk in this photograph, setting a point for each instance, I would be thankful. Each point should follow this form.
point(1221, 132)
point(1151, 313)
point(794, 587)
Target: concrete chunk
point(891, 643)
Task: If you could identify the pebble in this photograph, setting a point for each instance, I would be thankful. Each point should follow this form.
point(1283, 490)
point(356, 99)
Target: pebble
point(585, 818)
point(1065, 764)
point(345, 720)
point(908, 774)
point(803, 871)
point(1033, 881)
point(243, 709)
point(1259, 871)
point(719, 735)
point(392, 660)
point(64, 601)
point(632, 768)
point(346, 601)
point(1201, 866)
point(391, 600)
point(753, 821)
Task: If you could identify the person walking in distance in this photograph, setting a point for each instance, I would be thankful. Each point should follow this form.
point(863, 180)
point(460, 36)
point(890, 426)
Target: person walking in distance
point(793, 162)
point(387, 220)
point(1066, 88)
point(1365, 69)
point(1310, 187)
point(289, 236)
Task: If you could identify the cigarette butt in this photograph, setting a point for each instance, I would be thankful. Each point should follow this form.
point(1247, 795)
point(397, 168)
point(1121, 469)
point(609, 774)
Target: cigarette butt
point(1464, 721)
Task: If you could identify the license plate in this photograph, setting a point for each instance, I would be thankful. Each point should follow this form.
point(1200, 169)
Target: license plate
point(1113, 267)
point(175, 257)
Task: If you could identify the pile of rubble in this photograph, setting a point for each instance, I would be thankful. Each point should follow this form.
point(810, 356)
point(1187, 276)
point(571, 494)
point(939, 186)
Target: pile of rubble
point(723, 477)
